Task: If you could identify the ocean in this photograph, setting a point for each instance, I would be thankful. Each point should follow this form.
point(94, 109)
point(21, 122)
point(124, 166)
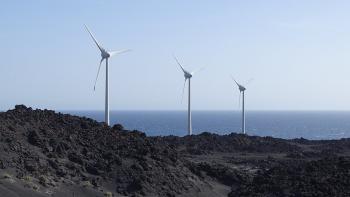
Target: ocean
point(281, 124)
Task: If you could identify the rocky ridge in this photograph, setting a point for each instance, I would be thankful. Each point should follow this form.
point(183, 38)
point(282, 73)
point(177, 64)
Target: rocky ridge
point(46, 151)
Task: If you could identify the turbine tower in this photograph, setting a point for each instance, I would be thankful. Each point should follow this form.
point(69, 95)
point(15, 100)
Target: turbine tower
point(188, 76)
point(105, 55)
point(241, 92)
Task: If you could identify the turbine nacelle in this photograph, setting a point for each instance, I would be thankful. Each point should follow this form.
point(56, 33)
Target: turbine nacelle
point(105, 54)
point(187, 75)
point(241, 88)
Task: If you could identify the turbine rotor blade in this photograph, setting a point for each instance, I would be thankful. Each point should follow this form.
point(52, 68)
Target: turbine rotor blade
point(235, 81)
point(198, 70)
point(250, 80)
point(183, 90)
point(98, 73)
point(177, 61)
point(92, 36)
point(114, 53)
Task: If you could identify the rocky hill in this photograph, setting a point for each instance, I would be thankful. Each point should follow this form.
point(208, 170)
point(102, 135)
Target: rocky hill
point(43, 153)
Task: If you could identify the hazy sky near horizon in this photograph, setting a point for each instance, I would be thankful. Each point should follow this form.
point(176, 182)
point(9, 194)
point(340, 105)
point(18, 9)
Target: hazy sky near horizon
point(297, 52)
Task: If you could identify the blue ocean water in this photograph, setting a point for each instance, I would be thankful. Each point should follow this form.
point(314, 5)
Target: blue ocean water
point(281, 124)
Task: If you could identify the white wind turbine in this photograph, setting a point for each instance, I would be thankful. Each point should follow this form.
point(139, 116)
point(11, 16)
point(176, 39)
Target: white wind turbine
point(188, 76)
point(105, 56)
point(241, 92)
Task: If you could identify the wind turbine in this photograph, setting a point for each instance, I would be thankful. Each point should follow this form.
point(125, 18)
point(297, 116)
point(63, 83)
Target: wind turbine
point(241, 92)
point(188, 76)
point(105, 55)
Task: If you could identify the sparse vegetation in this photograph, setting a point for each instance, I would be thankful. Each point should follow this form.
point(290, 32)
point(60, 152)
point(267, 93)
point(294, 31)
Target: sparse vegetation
point(108, 194)
point(7, 176)
point(32, 186)
point(35, 187)
point(43, 180)
point(27, 178)
point(29, 183)
point(86, 184)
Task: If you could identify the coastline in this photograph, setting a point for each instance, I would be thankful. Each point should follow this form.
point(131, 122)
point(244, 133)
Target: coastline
point(286, 124)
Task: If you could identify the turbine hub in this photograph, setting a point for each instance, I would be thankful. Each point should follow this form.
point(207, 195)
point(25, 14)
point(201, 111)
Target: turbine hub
point(187, 75)
point(105, 54)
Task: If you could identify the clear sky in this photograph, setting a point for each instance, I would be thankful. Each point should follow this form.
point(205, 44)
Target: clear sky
point(297, 51)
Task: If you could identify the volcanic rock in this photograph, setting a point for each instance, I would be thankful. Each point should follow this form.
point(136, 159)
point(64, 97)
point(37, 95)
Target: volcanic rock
point(61, 153)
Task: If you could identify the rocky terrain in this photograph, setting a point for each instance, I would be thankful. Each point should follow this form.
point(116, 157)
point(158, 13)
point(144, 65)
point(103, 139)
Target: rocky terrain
point(43, 153)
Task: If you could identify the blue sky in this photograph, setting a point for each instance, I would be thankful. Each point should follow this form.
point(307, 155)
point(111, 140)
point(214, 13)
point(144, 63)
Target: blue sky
point(296, 51)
